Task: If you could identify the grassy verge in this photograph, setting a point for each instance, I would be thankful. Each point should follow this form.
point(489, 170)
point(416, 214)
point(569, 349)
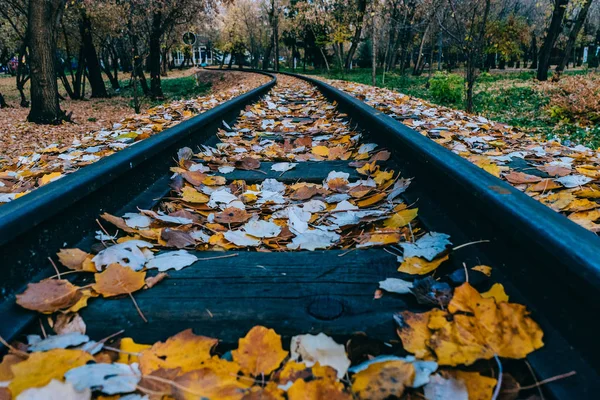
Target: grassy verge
point(173, 89)
point(509, 97)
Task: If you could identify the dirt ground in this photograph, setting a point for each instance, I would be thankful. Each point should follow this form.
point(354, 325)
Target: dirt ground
point(19, 137)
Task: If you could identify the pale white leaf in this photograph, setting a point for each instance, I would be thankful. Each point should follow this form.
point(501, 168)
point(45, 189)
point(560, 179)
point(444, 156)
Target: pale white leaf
point(108, 378)
point(55, 390)
point(128, 254)
point(172, 260)
point(320, 349)
point(395, 285)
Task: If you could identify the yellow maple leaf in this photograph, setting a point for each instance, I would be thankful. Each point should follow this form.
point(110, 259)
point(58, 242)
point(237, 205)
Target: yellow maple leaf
point(322, 151)
point(191, 195)
point(484, 269)
point(420, 266)
point(479, 387)
point(49, 178)
point(401, 218)
point(260, 351)
point(369, 201)
point(128, 346)
point(474, 328)
point(40, 368)
point(184, 350)
point(497, 292)
point(381, 176)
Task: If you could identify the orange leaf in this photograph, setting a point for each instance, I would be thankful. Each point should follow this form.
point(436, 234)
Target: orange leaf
point(184, 350)
point(74, 259)
point(260, 352)
point(117, 279)
point(49, 296)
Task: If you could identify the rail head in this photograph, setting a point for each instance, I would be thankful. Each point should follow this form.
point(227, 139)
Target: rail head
point(27, 212)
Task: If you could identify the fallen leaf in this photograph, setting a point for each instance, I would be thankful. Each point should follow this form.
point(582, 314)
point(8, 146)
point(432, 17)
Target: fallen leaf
point(59, 342)
point(232, 215)
point(47, 178)
point(41, 368)
point(152, 281)
point(420, 266)
point(184, 350)
point(49, 296)
point(440, 388)
point(401, 218)
point(107, 378)
point(117, 279)
point(259, 352)
point(73, 259)
point(484, 269)
point(191, 195)
point(320, 349)
point(55, 390)
point(318, 389)
point(479, 387)
point(129, 349)
point(383, 380)
point(479, 329)
point(129, 254)
point(395, 285)
point(205, 383)
point(428, 246)
point(516, 178)
point(172, 260)
point(497, 292)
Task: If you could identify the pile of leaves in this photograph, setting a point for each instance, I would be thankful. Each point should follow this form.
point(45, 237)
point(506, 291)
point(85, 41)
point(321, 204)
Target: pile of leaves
point(565, 178)
point(460, 326)
point(27, 172)
point(188, 366)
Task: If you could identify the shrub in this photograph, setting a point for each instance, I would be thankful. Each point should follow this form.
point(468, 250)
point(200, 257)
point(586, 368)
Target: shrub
point(574, 99)
point(446, 88)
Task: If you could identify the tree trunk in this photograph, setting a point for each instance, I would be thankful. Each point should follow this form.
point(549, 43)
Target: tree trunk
point(123, 56)
point(21, 76)
point(276, 39)
point(3, 102)
point(534, 52)
point(581, 17)
point(560, 6)
point(360, 16)
point(417, 69)
point(43, 18)
point(91, 57)
point(154, 57)
point(373, 56)
point(267, 56)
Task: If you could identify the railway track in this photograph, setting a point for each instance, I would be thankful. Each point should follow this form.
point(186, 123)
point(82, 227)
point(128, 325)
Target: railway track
point(316, 271)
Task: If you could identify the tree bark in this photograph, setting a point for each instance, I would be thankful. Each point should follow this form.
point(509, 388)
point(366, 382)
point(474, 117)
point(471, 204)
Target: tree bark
point(581, 17)
point(560, 6)
point(361, 7)
point(43, 19)
point(3, 102)
point(154, 57)
point(534, 52)
point(91, 57)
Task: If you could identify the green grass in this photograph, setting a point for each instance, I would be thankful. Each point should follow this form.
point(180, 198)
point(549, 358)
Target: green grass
point(504, 97)
point(173, 89)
